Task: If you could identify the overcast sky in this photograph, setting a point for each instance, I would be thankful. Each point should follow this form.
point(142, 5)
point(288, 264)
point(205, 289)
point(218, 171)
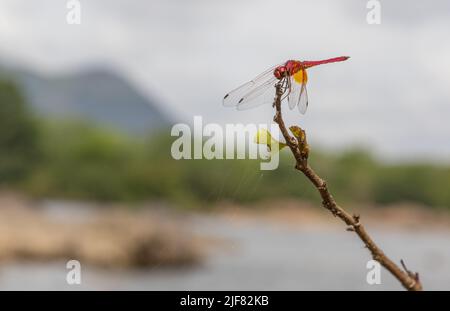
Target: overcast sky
point(393, 95)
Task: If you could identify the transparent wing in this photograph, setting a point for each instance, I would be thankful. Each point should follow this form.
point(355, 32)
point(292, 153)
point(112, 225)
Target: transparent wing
point(303, 101)
point(261, 95)
point(250, 91)
point(298, 95)
point(294, 93)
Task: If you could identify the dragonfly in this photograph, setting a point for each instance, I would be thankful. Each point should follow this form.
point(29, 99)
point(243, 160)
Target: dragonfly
point(293, 78)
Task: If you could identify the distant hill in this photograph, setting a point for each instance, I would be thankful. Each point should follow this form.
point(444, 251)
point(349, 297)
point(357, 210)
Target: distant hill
point(99, 95)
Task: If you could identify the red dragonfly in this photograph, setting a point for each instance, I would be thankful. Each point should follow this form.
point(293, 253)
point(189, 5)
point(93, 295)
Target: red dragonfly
point(293, 78)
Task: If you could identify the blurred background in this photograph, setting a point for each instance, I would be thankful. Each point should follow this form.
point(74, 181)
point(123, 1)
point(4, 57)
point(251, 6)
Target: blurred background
point(86, 171)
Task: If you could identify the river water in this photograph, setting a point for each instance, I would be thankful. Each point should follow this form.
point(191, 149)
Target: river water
point(261, 256)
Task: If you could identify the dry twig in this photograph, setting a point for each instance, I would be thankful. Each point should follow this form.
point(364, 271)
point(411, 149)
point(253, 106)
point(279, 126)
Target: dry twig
point(300, 150)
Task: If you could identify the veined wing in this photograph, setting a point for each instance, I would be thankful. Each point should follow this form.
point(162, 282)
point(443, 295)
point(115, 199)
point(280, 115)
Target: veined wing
point(298, 95)
point(263, 94)
point(247, 95)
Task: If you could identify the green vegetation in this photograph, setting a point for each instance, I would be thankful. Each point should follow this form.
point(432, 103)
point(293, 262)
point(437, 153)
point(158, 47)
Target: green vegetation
point(18, 140)
point(76, 160)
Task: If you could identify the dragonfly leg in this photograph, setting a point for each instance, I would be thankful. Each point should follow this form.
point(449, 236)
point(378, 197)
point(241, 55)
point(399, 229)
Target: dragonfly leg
point(283, 83)
point(287, 88)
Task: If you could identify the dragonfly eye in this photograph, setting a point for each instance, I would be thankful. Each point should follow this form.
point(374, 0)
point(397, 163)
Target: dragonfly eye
point(279, 72)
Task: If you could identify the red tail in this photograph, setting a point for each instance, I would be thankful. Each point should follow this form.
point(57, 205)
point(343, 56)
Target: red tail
point(308, 63)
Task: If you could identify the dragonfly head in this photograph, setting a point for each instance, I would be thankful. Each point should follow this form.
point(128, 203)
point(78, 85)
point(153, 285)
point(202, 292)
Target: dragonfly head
point(280, 72)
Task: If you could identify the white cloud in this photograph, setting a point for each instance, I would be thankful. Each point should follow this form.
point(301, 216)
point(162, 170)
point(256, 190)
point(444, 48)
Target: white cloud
point(392, 91)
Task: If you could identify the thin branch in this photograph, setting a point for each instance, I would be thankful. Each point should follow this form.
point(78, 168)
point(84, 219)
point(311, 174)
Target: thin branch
point(300, 150)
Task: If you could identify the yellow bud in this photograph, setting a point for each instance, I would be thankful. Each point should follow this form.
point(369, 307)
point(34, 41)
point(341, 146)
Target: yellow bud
point(264, 137)
point(301, 139)
point(297, 132)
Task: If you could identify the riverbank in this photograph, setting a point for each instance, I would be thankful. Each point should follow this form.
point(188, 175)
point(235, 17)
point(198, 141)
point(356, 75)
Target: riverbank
point(103, 236)
point(154, 235)
point(399, 217)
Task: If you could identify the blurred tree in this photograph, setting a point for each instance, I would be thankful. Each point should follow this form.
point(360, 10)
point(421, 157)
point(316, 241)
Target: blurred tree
point(18, 135)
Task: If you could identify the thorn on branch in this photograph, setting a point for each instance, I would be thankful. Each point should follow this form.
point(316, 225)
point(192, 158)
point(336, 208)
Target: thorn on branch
point(411, 274)
point(356, 218)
